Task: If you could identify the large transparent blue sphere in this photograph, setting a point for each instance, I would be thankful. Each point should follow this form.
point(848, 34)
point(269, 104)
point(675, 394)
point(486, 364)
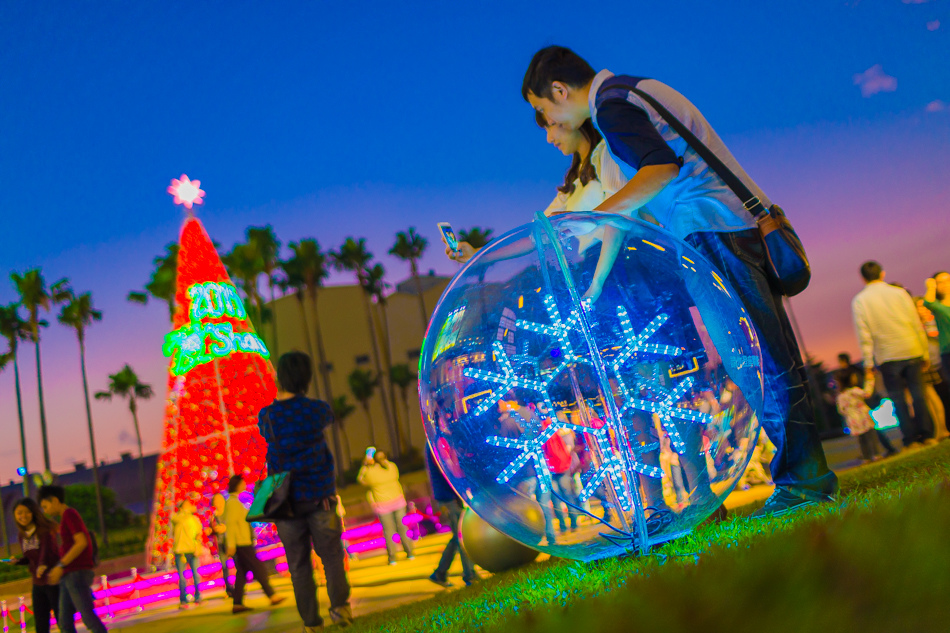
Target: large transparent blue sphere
point(594, 427)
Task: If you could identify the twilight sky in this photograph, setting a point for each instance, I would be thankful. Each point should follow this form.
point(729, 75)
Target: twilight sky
point(335, 119)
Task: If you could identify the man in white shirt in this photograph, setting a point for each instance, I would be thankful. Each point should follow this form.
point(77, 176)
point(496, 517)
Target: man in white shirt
point(891, 336)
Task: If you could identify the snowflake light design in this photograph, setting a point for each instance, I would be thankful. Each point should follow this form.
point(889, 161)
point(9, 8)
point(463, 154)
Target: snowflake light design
point(186, 192)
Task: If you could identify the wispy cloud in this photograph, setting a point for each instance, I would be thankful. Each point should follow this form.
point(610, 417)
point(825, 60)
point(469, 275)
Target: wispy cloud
point(875, 80)
point(915, 1)
point(936, 106)
point(126, 438)
point(933, 25)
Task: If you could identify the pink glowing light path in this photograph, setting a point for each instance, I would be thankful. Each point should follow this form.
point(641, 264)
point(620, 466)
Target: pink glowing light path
point(187, 192)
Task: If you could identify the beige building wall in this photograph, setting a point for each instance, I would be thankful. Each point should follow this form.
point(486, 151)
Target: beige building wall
point(346, 339)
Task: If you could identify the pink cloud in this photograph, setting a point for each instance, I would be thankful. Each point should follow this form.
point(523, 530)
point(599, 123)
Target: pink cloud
point(936, 106)
point(875, 80)
point(933, 25)
point(915, 1)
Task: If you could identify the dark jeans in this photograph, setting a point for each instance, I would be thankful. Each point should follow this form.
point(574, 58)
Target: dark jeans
point(183, 562)
point(868, 443)
point(885, 442)
point(223, 557)
point(45, 604)
point(322, 530)
point(75, 594)
point(246, 560)
point(901, 374)
point(448, 554)
point(788, 417)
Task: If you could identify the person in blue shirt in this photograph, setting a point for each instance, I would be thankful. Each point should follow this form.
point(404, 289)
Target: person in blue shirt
point(444, 495)
point(688, 198)
point(293, 427)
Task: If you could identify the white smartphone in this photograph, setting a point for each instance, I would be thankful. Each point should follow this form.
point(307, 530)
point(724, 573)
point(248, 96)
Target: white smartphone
point(449, 235)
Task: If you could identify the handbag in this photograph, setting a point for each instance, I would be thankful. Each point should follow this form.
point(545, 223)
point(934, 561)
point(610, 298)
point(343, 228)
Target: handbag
point(272, 500)
point(786, 262)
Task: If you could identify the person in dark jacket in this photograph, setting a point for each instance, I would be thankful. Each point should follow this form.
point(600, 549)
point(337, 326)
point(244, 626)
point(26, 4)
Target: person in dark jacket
point(293, 427)
point(37, 538)
point(445, 496)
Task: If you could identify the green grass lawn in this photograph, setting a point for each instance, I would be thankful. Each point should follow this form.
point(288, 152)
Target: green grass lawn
point(878, 560)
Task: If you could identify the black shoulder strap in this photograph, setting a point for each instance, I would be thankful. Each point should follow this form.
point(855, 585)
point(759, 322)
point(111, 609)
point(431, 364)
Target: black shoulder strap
point(749, 200)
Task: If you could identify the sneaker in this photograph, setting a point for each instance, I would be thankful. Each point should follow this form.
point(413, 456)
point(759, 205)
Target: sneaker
point(183, 606)
point(240, 608)
point(784, 500)
point(392, 562)
point(341, 615)
point(442, 582)
point(411, 557)
point(276, 600)
point(472, 581)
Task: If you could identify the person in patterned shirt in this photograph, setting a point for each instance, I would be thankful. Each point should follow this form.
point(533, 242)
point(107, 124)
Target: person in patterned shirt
point(293, 427)
point(856, 413)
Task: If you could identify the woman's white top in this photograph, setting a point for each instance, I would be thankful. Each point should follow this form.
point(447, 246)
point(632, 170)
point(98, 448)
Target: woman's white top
point(588, 197)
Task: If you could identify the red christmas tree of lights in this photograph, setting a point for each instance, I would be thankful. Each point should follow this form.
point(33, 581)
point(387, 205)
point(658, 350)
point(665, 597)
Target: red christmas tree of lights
point(219, 378)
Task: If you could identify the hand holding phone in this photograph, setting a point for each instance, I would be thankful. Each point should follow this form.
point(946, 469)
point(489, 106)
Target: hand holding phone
point(448, 236)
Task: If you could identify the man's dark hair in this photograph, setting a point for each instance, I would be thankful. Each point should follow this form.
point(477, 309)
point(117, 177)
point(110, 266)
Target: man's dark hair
point(871, 271)
point(294, 372)
point(555, 63)
point(234, 483)
point(845, 356)
point(52, 492)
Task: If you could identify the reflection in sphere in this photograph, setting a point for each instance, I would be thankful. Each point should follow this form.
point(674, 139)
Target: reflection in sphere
point(591, 429)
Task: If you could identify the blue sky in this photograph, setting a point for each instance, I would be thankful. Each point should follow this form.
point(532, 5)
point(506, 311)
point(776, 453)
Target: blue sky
point(328, 120)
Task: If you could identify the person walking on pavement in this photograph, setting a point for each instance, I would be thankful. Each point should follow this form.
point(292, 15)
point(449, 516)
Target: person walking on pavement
point(293, 427)
point(241, 548)
point(451, 504)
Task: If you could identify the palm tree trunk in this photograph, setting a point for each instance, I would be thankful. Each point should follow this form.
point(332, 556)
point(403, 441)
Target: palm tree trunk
point(138, 438)
point(388, 362)
point(3, 534)
point(346, 440)
point(92, 445)
point(308, 339)
point(422, 301)
point(343, 462)
point(39, 386)
point(405, 406)
point(273, 315)
point(19, 410)
point(384, 392)
point(369, 420)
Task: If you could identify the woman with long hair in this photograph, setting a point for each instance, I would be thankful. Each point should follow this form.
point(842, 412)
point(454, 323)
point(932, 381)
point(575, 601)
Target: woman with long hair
point(37, 537)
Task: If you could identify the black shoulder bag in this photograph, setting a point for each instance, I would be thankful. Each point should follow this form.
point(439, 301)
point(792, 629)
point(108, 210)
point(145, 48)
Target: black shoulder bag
point(787, 265)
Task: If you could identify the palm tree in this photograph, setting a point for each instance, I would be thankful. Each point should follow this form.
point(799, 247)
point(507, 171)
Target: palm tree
point(161, 285)
point(354, 257)
point(476, 236)
point(341, 411)
point(268, 247)
point(79, 314)
point(34, 296)
point(245, 265)
point(377, 288)
point(310, 263)
point(126, 384)
point(293, 280)
point(409, 247)
point(14, 329)
point(401, 377)
point(362, 386)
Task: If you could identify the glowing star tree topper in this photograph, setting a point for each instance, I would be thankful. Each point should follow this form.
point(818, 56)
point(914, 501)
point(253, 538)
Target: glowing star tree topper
point(186, 192)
